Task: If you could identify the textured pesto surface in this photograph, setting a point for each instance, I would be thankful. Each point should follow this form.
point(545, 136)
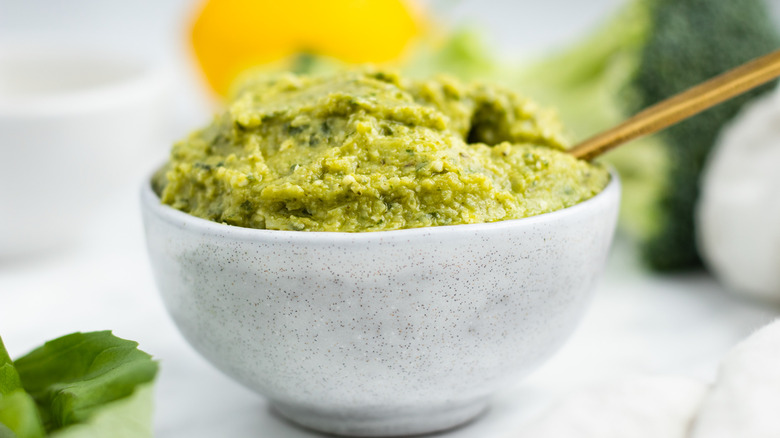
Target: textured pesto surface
point(369, 151)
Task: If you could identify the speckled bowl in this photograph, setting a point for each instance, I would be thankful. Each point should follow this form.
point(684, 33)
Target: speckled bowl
point(383, 333)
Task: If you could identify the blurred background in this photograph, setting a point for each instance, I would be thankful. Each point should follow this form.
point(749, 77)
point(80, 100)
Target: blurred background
point(159, 31)
point(84, 267)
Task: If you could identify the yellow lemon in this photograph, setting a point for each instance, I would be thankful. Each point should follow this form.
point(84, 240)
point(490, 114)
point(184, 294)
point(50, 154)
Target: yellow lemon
point(229, 36)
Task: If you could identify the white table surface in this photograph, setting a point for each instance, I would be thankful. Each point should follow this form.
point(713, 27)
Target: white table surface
point(637, 323)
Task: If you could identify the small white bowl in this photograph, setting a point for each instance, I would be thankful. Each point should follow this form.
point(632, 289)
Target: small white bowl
point(76, 124)
point(382, 333)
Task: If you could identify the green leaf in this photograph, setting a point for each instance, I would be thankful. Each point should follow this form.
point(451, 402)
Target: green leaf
point(86, 379)
point(19, 416)
point(130, 417)
point(18, 413)
point(9, 378)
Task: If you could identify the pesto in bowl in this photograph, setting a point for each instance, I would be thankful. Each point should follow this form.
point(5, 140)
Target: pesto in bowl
point(369, 151)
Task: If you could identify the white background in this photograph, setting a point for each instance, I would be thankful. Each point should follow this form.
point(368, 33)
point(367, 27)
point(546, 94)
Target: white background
point(638, 323)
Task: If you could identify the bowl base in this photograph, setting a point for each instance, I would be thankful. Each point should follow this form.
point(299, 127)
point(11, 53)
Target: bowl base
point(387, 424)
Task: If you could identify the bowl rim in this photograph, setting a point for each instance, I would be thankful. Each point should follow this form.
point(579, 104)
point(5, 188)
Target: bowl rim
point(151, 203)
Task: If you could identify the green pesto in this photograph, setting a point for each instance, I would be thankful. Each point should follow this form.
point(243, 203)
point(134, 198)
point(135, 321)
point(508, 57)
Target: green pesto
point(369, 151)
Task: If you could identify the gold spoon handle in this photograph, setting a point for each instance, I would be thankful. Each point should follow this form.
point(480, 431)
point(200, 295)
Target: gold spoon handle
point(683, 105)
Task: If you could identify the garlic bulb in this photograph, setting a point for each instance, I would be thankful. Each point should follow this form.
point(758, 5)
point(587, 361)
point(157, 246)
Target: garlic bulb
point(738, 214)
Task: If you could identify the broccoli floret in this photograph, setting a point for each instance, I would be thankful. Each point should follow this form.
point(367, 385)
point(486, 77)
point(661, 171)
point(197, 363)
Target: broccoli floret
point(651, 50)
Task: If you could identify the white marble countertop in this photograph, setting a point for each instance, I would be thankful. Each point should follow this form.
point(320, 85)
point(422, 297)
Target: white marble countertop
point(638, 323)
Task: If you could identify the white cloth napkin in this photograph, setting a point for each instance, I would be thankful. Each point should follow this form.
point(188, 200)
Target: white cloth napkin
point(646, 407)
point(744, 402)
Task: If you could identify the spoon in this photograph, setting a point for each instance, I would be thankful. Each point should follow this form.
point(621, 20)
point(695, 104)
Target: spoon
point(683, 105)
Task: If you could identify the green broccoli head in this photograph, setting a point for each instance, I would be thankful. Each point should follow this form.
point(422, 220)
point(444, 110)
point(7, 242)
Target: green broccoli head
point(652, 50)
point(694, 40)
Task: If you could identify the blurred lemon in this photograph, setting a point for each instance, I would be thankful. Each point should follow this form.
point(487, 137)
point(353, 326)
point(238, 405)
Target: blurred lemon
point(229, 36)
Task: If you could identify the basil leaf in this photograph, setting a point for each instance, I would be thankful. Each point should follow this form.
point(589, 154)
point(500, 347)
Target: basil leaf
point(18, 413)
point(19, 416)
point(9, 378)
point(75, 378)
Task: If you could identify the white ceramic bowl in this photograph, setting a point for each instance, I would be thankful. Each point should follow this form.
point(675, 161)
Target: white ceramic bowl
point(76, 124)
point(382, 333)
